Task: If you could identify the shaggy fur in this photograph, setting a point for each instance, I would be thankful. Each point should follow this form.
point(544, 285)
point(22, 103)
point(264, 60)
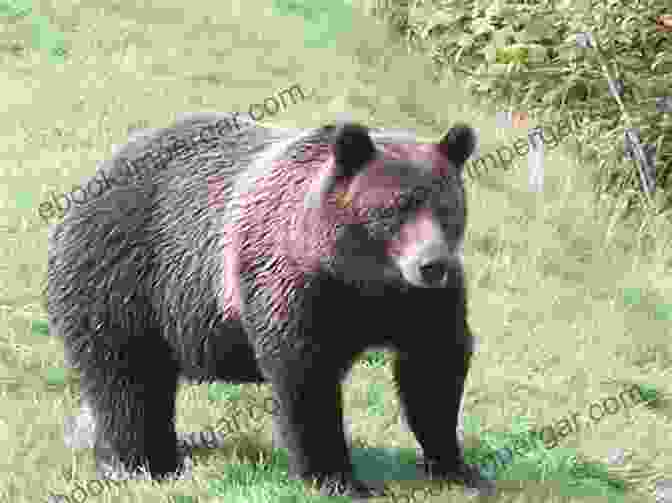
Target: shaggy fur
point(267, 255)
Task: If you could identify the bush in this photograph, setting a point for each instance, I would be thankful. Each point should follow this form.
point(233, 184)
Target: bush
point(524, 55)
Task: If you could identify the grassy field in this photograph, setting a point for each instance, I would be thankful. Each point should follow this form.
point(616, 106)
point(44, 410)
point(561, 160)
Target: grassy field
point(568, 302)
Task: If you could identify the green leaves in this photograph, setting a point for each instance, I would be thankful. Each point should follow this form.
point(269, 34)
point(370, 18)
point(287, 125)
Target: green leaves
point(375, 359)
point(549, 77)
point(227, 392)
point(47, 38)
point(512, 54)
point(664, 312)
point(15, 8)
point(23, 201)
point(56, 376)
point(181, 498)
point(39, 327)
point(632, 296)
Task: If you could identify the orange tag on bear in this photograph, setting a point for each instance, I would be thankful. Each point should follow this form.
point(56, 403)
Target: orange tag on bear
point(343, 199)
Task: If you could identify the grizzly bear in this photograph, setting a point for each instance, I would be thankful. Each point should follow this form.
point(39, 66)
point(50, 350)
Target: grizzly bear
point(268, 255)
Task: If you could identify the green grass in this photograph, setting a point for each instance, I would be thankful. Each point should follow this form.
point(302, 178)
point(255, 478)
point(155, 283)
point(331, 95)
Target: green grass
point(570, 304)
point(322, 20)
point(43, 35)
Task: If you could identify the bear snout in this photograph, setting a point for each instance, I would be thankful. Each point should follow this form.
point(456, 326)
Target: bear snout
point(432, 267)
point(424, 255)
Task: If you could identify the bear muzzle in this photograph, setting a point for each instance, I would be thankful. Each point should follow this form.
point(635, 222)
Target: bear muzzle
point(434, 265)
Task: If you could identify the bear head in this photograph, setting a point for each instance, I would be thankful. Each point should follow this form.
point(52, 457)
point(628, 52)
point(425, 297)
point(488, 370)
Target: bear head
point(384, 207)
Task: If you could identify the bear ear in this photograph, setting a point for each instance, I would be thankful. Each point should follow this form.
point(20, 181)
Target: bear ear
point(458, 144)
point(352, 148)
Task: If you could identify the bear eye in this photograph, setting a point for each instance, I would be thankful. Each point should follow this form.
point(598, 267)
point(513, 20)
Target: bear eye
point(452, 220)
point(387, 212)
point(404, 202)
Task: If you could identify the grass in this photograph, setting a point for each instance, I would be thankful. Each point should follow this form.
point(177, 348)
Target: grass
point(568, 301)
point(44, 36)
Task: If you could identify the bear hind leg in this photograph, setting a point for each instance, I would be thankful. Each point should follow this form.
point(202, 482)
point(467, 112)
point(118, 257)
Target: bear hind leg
point(131, 391)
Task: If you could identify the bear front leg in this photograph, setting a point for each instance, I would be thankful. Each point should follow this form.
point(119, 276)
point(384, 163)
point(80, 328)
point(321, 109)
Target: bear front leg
point(433, 416)
point(308, 422)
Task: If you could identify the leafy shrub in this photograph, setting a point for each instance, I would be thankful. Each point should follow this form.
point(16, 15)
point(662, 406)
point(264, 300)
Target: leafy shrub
point(524, 55)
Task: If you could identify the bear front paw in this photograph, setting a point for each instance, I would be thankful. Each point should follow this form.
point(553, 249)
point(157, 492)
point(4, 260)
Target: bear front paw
point(461, 472)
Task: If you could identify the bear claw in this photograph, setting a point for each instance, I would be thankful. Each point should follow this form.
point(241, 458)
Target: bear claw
point(464, 473)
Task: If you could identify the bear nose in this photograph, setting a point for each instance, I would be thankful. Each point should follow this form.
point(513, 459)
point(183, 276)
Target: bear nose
point(434, 273)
